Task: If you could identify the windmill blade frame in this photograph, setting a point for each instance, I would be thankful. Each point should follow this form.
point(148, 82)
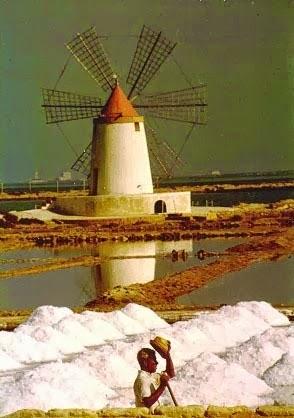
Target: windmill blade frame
point(82, 163)
point(89, 52)
point(186, 105)
point(163, 157)
point(151, 52)
point(63, 106)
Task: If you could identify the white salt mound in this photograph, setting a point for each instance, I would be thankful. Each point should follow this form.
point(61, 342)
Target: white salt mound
point(279, 337)
point(181, 347)
point(282, 395)
point(242, 322)
point(124, 323)
point(70, 326)
point(48, 315)
point(197, 342)
point(211, 330)
point(256, 368)
point(57, 385)
point(128, 350)
point(254, 356)
point(265, 311)
point(282, 373)
point(218, 383)
point(145, 316)
point(7, 362)
point(25, 349)
point(51, 336)
point(109, 371)
point(94, 322)
point(230, 325)
point(124, 399)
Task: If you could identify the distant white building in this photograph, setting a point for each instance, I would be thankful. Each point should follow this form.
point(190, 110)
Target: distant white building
point(36, 178)
point(65, 176)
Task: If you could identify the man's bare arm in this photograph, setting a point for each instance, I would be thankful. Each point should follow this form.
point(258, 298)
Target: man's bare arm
point(170, 370)
point(150, 400)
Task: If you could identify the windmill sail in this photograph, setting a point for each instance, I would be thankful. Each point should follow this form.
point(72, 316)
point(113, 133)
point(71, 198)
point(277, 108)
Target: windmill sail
point(188, 105)
point(151, 52)
point(89, 52)
point(82, 163)
point(163, 158)
point(61, 106)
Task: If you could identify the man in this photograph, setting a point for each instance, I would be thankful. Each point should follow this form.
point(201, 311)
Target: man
point(149, 385)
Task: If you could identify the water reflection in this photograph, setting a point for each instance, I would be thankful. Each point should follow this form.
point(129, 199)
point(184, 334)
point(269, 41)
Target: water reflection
point(123, 264)
point(132, 262)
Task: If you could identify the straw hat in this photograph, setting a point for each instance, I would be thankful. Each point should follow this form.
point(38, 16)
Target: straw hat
point(160, 344)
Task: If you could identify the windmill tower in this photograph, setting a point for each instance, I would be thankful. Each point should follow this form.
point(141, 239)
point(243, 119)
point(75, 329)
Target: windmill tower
point(118, 156)
point(120, 159)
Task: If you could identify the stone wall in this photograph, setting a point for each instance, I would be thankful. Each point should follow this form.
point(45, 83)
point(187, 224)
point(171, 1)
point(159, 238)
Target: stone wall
point(123, 205)
point(193, 411)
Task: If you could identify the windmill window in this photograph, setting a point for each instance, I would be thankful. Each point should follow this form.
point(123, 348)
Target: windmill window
point(137, 126)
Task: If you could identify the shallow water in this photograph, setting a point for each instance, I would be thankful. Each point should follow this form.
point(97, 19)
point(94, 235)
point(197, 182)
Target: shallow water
point(145, 261)
point(270, 281)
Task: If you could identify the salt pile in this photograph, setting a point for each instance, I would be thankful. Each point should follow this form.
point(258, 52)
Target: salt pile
point(255, 356)
point(281, 373)
point(218, 383)
point(145, 316)
point(236, 355)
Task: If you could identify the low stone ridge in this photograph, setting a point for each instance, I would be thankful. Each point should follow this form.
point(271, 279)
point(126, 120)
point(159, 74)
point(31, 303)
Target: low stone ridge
point(191, 411)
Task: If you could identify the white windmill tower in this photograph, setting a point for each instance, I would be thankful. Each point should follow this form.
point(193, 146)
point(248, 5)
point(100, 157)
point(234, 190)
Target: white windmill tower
point(118, 156)
point(120, 159)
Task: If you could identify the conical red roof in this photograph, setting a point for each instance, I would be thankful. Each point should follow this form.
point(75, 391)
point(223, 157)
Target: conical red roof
point(117, 106)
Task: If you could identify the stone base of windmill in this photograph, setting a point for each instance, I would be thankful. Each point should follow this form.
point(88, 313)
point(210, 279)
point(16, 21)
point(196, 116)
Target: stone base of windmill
point(124, 205)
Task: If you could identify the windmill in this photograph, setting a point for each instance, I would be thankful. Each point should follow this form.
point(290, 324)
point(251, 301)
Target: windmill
point(108, 162)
